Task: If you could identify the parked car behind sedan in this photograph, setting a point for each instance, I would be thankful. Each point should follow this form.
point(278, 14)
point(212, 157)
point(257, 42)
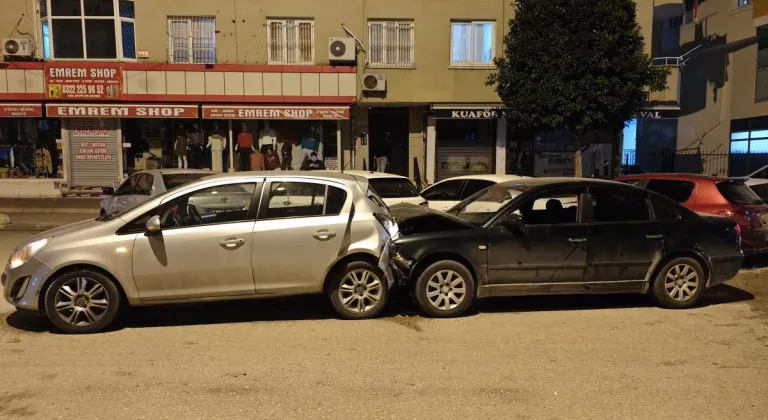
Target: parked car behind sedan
point(393, 189)
point(294, 233)
point(590, 237)
point(143, 185)
point(729, 197)
point(449, 192)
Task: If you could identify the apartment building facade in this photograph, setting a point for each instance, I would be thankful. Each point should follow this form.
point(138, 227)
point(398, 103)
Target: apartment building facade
point(105, 87)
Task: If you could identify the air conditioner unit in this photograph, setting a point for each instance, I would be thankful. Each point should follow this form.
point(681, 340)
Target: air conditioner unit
point(341, 50)
point(374, 83)
point(17, 47)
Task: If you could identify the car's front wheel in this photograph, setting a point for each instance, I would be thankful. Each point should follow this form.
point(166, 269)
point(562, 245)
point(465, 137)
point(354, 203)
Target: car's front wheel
point(679, 284)
point(359, 290)
point(445, 289)
point(82, 302)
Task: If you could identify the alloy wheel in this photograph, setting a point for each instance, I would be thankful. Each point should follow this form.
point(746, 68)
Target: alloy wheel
point(681, 282)
point(360, 291)
point(81, 301)
point(446, 289)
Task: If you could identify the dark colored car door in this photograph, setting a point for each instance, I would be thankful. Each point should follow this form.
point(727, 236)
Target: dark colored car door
point(548, 254)
point(623, 239)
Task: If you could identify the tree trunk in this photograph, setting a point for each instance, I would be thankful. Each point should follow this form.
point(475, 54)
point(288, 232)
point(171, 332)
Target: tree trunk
point(578, 172)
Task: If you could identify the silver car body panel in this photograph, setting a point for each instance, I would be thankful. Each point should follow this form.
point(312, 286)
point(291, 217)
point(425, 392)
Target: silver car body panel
point(187, 264)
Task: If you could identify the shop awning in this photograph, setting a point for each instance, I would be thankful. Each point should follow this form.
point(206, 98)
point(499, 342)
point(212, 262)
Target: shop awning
point(122, 111)
point(12, 110)
point(244, 112)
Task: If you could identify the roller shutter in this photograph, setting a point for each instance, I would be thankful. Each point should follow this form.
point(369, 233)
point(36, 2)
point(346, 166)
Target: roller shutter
point(93, 152)
point(464, 160)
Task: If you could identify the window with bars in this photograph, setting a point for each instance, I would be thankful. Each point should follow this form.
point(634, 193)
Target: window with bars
point(391, 43)
point(472, 43)
point(88, 29)
point(192, 39)
point(290, 41)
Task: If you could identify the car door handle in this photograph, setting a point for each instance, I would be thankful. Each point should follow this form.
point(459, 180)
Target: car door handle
point(232, 243)
point(577, 240)
point(324, 234)
point(654, 236)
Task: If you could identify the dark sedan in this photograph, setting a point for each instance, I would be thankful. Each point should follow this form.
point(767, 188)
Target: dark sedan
point(542, 236)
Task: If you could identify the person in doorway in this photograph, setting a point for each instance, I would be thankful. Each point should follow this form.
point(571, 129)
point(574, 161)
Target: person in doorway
point(244, 147)
point(381, 152)
point(196, 147)
point(181, 146)
point(313, 163)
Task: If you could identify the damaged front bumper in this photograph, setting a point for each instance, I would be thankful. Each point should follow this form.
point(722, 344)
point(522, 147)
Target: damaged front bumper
point(401, 267)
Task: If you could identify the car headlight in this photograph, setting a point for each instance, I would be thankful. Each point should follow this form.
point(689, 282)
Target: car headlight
point(388, 223)
point(22, 255)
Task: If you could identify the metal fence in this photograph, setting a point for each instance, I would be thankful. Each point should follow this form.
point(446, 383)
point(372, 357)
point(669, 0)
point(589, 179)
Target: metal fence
point(693, 162)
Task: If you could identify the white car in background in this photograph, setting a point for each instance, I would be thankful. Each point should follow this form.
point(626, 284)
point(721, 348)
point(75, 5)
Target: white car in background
point(758, 182)
point(449, 192)
point(143, 185)
point(393, 189)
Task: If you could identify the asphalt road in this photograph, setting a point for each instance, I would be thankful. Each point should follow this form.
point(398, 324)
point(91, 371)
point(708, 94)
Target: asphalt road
point(547, 358)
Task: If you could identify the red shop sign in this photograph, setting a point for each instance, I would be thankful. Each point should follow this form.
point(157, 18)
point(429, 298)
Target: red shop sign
point(21, 110)
point(276, 112)
point(121, 111)
point(87, 81)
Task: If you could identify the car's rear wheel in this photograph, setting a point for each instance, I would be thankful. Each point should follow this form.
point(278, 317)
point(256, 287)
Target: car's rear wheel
point(82, 302)
point(679, 284)
point(359, 290)
point(445, 289)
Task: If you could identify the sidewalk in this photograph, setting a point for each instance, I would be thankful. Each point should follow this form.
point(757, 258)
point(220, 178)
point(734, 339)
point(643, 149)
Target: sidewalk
point(40, 214)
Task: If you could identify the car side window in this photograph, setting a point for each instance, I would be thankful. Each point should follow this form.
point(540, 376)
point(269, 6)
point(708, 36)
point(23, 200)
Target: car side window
point(678, 191)
point(610, 205)
point(220, 204)
point(335, 201)
point(129, 186)
point(475, 185)
point(664, 209)
point(550, 209)
point(761, 190)
point(444, 191)
point(294, 199)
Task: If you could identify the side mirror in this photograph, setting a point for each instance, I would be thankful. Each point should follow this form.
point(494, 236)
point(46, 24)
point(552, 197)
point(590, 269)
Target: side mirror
point(108, 191)
point(153, 224)
point(513, 222)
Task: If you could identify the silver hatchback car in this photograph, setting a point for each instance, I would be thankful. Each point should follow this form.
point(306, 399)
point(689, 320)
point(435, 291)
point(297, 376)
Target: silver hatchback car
point(239, 236)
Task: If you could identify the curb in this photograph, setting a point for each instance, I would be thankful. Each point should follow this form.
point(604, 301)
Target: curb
point(49, 210)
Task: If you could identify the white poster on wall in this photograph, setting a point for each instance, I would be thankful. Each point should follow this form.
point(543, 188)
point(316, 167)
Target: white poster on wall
point(595, 158)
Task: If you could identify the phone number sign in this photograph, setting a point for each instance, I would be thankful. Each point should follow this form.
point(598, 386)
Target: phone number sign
point(83, 81)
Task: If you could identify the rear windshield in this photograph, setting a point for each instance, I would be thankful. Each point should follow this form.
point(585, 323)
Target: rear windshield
point(393, 187)
point(738, 193)
point(175, 180)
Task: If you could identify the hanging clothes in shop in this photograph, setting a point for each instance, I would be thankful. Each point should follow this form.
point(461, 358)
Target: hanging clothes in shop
point(43, 163)
point(271, 158)
point(180, 147)
point(286, 155)
point(216, 145)
point(256, 161)
point(196, 148)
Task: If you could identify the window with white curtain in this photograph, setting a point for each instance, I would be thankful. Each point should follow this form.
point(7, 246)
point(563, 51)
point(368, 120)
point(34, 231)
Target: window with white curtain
point(192, 39)
point(290, 41)
point(391, 43)
point(472, 43)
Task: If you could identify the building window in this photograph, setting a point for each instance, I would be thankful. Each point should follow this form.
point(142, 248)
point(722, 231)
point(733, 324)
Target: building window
point(290, 41)
point(472, 43)
point(742, 3)
point(192, 39)
point(88, 29)
point(761, 78)
point(391, 43)
point(690, 11)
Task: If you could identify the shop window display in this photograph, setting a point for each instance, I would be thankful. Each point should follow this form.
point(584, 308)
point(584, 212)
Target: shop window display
point(29, 148)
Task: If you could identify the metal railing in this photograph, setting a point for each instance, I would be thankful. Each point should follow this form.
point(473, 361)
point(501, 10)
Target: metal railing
point(693, 162)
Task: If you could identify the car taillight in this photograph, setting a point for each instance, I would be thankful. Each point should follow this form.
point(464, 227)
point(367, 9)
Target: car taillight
point(742, 218)
point(738, 233)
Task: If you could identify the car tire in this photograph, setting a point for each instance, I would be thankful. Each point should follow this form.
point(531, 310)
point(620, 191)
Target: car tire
point(437, 290)
point(82, 302)
point(679, 283)
point(359, 290)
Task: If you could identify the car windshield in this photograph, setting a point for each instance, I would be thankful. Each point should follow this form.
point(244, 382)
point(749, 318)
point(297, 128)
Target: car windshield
point(738, 193)
point(393, 187)
point(480, 207)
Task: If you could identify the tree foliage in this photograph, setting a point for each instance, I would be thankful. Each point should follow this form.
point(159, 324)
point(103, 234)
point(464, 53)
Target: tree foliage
point(575, 64)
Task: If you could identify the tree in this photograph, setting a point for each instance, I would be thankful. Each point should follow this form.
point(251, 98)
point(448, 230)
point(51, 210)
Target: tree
point(574, 64)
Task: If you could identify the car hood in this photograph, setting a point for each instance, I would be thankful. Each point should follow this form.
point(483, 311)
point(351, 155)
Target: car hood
point(412, 219)
point(63, 230)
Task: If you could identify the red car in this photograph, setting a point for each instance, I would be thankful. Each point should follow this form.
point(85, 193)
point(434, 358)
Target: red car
point(708, 194)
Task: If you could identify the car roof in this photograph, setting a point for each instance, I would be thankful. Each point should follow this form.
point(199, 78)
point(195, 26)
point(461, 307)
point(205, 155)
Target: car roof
point(374, 175)
point(561, 181)
point(674, 176)
point(322, 175)
point(486, 177)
